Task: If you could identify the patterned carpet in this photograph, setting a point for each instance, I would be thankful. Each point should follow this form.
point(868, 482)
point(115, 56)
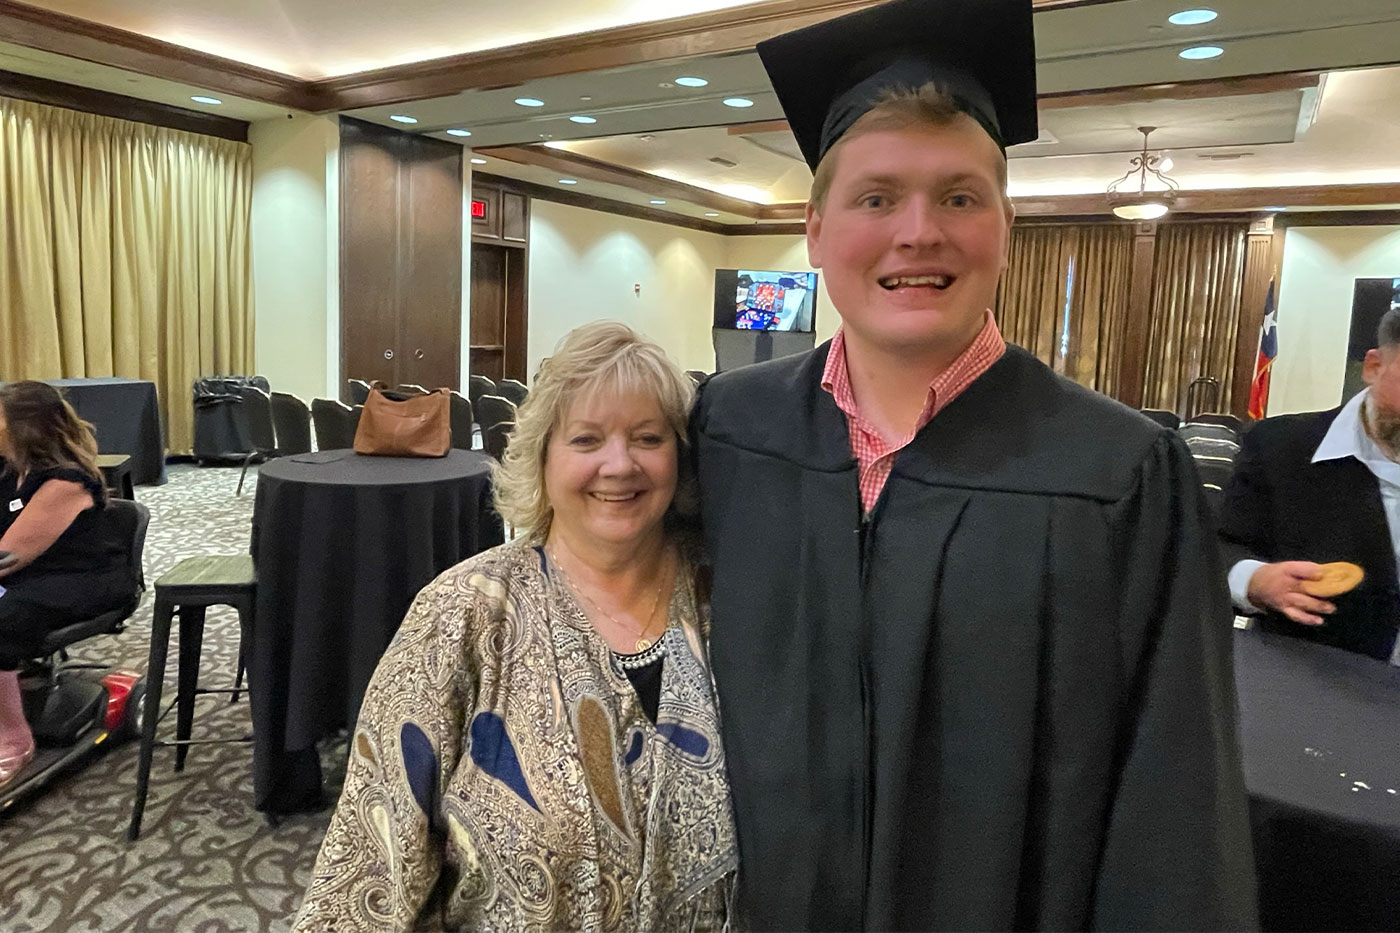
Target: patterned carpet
point(206, 860)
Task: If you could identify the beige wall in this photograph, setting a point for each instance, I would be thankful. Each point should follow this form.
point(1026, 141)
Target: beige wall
point(1314, 310)
point(295, 234)
point(584, 265)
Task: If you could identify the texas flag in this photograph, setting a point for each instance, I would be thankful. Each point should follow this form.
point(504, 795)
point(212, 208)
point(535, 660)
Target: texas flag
point(1268, 349)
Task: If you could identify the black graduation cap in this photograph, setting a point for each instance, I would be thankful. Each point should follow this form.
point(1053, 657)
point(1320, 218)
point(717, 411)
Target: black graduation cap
point(980, 52)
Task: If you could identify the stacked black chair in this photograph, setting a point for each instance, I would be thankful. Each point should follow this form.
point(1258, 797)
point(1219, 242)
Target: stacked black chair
point(462, 421)
point(292, 421)
point(359, 391)
point(477, 386)
point(336, 423)
point(497, 437)
point(1214, 448)
point(195, 584)
point(697, 376)
point(514, 390)
point(1220, 418)
point(1167, 419)
point(413, 388)
point(257, 410)
point(221, 429)
point(69, 703)
point(492, 410)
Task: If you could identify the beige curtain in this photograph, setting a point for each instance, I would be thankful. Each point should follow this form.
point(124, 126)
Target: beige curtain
point(1197, 277)
point(124, 251)
point(1064, 297)
point(1030, 307)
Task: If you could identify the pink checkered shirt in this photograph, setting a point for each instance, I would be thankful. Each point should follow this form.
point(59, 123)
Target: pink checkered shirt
point(875, 454)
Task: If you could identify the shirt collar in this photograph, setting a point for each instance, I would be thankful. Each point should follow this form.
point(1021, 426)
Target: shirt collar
point(1347, 436)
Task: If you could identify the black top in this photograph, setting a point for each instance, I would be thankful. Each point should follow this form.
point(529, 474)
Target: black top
point(1005, 701)
point(979, 52)
point(646, 681)
point(85, 547)
point(1279, 505)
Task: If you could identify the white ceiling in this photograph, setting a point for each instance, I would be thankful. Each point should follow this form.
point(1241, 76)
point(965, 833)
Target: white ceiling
point(1355, 139)
point(313, 39)
point(53, 67)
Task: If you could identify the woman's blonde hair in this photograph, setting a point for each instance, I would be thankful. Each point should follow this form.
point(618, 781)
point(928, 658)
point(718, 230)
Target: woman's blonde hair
point(604, 356)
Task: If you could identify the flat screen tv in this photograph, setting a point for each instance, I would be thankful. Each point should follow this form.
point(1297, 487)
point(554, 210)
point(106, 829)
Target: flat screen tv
point(750, 299)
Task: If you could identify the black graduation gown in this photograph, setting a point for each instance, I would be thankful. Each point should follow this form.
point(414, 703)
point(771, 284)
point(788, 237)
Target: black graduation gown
point(1005, 700)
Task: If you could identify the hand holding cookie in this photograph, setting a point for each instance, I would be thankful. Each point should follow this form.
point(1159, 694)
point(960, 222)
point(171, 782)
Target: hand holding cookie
point(1336, 579)
point(1285, 588)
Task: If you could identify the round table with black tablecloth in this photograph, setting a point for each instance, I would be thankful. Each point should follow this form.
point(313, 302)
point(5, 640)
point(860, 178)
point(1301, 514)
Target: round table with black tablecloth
point(1320, 729)
point(342, 543)
point(125, 416)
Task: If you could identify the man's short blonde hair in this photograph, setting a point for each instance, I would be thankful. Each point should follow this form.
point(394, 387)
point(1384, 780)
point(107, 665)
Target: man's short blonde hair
point(898, 108)
point(599, 358)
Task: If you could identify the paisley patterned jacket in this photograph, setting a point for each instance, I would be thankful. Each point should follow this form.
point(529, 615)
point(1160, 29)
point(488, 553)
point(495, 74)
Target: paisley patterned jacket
point(503, 775)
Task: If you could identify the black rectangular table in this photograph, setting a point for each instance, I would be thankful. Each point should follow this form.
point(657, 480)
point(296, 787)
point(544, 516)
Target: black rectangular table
point(125, 415)
point(1320, 730)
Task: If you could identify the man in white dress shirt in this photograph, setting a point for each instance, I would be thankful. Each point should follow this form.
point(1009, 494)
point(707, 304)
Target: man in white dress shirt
point(1320, 487)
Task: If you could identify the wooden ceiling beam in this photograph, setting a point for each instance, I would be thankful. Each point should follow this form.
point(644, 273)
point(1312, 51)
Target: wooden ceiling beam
point(574, 165)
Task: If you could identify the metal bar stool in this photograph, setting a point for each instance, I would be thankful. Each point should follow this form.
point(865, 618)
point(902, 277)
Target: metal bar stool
point(195, 584)
point(116, 475)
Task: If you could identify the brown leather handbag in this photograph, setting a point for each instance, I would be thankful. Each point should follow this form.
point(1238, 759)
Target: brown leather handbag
point(395, 425)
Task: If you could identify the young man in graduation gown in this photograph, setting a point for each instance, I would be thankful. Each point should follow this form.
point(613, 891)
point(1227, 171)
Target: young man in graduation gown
point(970, 629)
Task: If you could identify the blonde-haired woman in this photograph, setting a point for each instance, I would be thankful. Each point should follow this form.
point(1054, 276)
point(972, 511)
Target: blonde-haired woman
point(539, 747)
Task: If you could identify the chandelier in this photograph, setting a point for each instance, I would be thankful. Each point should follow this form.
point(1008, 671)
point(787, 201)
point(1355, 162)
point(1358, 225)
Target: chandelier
point(1134, 201)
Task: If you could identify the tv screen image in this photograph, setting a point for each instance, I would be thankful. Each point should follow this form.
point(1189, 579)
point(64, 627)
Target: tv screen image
point(750, 299)
point(1371, 299)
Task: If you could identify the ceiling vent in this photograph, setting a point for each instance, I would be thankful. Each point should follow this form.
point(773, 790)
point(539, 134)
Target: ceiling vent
point(719, 160)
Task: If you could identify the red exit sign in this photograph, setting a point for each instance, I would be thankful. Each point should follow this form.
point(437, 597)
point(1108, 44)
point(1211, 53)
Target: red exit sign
point(478, 210)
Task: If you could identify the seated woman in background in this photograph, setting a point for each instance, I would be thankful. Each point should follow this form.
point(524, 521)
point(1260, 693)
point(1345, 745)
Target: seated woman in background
point(60, 569)
point(539, 746)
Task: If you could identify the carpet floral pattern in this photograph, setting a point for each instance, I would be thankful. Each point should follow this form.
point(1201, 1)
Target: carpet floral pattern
point(206, 861)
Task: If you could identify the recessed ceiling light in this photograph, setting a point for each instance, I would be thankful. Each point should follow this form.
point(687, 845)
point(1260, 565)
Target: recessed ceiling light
point(529, 102)
point(737, 102)
point(580, 118)
point(402, 118)
point(1192, 17)
point(568, 181)
point(478, 161)
point(459, 132)
point(201, 99)
point(586, 97)
point(692, 82)
point(1202, 52)
point(657, 201)
point(711, 214)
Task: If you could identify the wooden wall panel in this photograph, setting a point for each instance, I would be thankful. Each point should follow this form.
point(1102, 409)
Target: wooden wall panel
point(400, 256)
point(369, 211)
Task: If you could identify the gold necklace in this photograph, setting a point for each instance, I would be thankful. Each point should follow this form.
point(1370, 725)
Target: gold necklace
point(643, 643)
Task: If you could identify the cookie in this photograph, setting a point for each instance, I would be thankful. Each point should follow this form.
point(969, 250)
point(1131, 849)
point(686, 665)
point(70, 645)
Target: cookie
point(1337, 579)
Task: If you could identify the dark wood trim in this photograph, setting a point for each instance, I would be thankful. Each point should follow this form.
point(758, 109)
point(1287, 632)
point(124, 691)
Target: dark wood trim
point(73, 37)
point(574, 165)
point(762, 126)
point(762, 229)
point(1198, 89)
point(1258, 271)
point(87, 100)
point(1375, 218)
point(590, 202)
point(1224, 199)
point(1132, 366)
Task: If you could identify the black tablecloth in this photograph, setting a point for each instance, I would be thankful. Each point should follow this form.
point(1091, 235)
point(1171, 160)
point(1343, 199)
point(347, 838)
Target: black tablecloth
point(126, 418)
point(1321, 736)
point(342, 543)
